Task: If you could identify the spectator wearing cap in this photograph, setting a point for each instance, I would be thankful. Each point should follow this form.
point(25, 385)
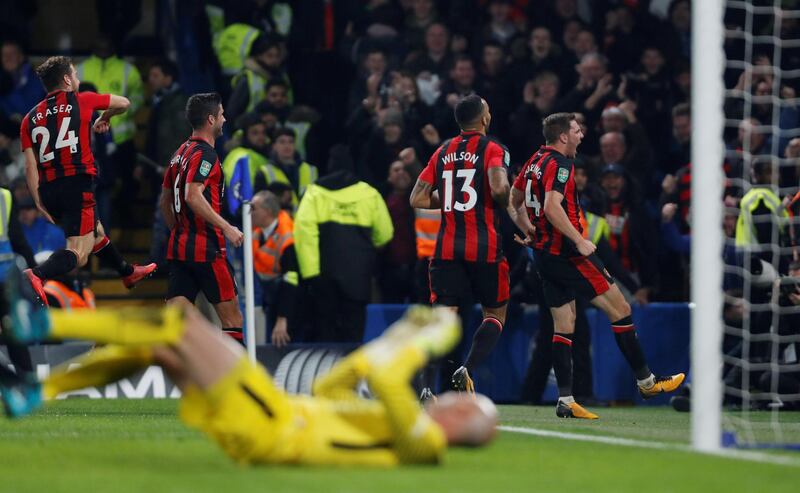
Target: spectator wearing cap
point(20, 89)
point(396, 278)
point(264, 64)
point(631, 232)
point(286, 166)
point(42, 235)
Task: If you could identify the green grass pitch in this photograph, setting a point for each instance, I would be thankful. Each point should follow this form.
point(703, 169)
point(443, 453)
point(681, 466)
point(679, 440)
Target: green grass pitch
point(140, 446)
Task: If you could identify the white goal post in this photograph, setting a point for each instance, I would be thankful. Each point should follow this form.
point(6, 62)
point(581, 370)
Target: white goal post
point(708, 153)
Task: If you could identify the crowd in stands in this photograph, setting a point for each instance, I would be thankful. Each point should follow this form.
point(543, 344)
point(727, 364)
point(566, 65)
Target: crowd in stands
point(346, 93)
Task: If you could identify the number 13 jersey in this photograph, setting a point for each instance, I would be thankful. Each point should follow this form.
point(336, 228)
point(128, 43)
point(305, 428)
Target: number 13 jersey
point(549, 170)
point(470, 227)
point(59, 131)
point(193, 239)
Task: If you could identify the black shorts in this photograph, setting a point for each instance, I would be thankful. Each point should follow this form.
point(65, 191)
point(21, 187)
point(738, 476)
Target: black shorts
point(215, 279)
point(70, 202)
point(452, 281)
point(565, 278)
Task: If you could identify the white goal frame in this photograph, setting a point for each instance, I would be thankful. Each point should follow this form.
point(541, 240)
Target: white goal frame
point(708, 153)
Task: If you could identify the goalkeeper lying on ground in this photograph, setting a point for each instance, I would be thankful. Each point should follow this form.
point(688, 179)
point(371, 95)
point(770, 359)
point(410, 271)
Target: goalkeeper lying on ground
point(237, 404)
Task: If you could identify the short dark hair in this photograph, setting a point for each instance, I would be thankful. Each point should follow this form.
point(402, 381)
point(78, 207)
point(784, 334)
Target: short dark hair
point(468, 110)
point(53, 70)
point(284, 132)
point(168, 67)
point(556, 124)
point(200, 106)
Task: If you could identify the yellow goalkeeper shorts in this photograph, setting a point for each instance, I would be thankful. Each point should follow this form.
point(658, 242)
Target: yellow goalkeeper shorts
point(245, 414)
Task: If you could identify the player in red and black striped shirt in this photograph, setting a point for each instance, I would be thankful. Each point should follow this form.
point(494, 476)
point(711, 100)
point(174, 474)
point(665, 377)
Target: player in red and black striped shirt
point(60, 171)
point(467, 179)
point(191, 201)
point(567, 264)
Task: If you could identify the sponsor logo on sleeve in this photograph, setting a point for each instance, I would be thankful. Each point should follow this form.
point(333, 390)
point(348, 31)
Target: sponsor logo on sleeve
point(563, 175)
point(205, 168)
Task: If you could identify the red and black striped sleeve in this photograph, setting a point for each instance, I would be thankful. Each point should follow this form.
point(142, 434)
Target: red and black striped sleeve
point(557, 174)
point(201, 164)
point(428, 174)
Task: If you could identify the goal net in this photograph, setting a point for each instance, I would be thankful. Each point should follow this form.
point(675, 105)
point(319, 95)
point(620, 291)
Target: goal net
point(745, 370)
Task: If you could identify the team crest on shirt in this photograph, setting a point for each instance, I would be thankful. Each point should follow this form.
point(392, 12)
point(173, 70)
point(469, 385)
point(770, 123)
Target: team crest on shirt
point(205, 168)
point(563, 175)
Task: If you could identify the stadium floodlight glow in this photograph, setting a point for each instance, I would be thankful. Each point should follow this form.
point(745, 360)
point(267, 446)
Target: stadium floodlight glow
point(249, 301)
point(708, 90)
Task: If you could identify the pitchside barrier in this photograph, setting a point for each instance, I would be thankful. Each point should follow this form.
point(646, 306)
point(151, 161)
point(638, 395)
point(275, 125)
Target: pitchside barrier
point(663, 330)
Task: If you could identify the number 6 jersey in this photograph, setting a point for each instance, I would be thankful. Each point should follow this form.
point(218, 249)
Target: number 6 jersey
point(549, 170)
point(470, 227)
point(193, 239)
point(59, 131)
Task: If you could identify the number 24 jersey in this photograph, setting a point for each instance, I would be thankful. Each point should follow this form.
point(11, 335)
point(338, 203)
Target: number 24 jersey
point(58, 129)
point(470, 227)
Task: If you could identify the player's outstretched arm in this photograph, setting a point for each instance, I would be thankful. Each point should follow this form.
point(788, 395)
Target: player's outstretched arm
point(556, 215)
point(498, 183)
point(116, 106)
point(201, 207)
point(423, 196)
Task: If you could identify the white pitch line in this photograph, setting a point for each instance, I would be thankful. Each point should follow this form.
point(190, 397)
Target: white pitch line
point(631, 442)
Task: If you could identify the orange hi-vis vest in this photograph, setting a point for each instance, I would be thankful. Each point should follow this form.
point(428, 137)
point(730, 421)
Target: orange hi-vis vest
point(69, 299)
point(426, 227)
point(267, 251)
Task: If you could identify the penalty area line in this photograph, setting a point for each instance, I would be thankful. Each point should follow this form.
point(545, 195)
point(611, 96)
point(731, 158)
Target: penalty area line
point(632, 442)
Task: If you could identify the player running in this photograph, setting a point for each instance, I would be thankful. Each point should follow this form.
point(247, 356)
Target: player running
point(567, 263)
point(237, 404)
point(60, 171)
point(191, 201)
point(467, 179)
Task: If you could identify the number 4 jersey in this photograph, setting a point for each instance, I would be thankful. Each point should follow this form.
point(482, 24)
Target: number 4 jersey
point(58, 129)
point(193, 239)
point(470, 227)
point(549, 170)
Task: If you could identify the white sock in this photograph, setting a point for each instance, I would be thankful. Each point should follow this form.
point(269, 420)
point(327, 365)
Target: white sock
point(647, 382)
point(567, 399)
